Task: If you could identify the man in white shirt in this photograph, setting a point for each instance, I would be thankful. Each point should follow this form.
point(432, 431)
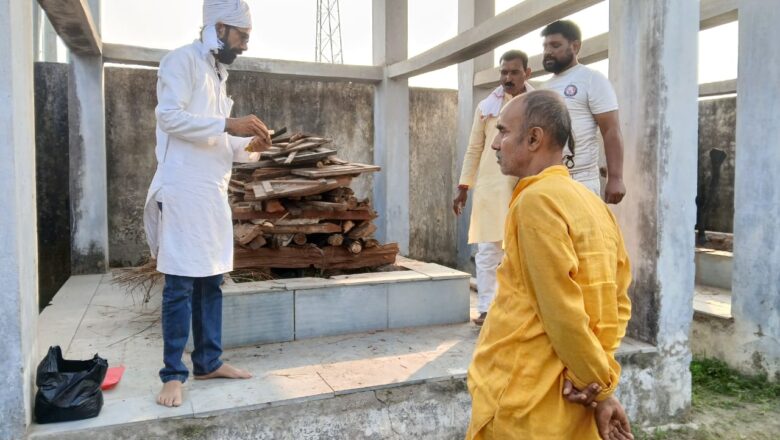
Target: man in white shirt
point(187, 216)
point(592, 104)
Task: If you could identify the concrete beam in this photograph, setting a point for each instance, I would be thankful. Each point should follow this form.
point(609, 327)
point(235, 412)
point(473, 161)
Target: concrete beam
point(510, 24)
point(74, 23)
point(717, 12)
point(756, 283)
point(18, 234)
point(713, 13)
point(122, 54)
point(593, 50)
point(391, 124)
point(657, 97)
point(718, 88)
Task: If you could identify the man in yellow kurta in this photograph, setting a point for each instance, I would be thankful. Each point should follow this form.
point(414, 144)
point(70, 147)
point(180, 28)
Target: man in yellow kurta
point(492, 190)
point(562, 306)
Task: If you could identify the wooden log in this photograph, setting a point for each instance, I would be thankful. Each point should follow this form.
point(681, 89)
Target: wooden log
point(347, 226)
point(335, 240)
point(354, 246)
point(362, 231)
point(244, 213)
point(273, 205)
point(370, 243)
point(299, 239)
point(245, 232)
point(257, 243)
point(321, 228)
point(328, 257)
point(281, 240)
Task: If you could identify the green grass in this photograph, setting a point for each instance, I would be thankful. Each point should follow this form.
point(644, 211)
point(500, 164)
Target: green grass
point(714, 383)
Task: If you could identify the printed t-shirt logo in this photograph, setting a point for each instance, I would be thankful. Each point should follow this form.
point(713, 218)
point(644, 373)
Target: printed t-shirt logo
point(570, 90)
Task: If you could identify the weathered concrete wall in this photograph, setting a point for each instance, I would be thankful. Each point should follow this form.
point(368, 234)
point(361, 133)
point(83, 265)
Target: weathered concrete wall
point(340, 111)
point(717, 130)
point(432, 139)
point(18, 237)
point(51, 178)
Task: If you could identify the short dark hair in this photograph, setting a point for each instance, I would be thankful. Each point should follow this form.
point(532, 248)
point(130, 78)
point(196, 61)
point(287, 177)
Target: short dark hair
point(515, 55)
point(547, 110)
point(567, 28)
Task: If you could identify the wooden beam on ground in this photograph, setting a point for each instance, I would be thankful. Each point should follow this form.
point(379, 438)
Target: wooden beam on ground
point(121, 54)
point(510, 24)
point(72, 19)
point(713, 13)
point(718, 88)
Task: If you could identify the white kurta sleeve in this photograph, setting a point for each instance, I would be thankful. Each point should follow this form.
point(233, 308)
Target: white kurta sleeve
point(238, 144)
point(174, 92)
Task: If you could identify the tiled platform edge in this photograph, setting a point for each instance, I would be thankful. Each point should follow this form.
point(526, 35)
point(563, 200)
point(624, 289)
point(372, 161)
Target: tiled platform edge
point(285, 310)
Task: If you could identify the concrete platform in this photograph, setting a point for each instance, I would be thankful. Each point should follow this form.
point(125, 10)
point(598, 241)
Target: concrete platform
point(397, 383)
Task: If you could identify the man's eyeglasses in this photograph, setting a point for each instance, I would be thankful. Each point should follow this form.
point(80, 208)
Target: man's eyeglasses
point(243, 35)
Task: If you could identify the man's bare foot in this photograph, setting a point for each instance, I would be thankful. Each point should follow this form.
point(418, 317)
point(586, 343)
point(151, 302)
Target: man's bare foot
point(170, 395)
point(226, 371)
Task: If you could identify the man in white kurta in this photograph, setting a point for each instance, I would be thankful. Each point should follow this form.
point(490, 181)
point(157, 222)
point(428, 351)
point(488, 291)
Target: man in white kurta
point(187, 216)
point(492, 190)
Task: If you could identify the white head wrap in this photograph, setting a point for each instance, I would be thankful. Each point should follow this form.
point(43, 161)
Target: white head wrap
point(230, 12)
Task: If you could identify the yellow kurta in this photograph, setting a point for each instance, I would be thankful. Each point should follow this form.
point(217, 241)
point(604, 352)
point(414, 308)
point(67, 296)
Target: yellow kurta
point(491, 189)
point(560, 312)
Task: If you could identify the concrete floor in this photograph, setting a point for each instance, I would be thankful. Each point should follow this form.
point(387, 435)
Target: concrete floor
point(90, 315)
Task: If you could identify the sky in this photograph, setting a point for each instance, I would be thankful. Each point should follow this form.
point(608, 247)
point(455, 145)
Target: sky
point(286, 30)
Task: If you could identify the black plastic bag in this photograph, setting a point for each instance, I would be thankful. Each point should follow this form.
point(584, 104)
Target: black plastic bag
point(68, 390)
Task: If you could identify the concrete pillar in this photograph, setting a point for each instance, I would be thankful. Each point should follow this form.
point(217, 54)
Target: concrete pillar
point(88, 197)
point(18, 236)
point(657, 95)
point(756, 279)
point(44, 36)
point(391, 124)
point(470, 14)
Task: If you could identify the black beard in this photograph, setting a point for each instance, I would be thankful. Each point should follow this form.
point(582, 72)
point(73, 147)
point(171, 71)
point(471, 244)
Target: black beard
point(557, 66)
point(227, 54)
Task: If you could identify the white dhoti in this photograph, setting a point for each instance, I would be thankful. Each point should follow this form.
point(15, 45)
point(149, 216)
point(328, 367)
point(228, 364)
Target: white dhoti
point(487, 259)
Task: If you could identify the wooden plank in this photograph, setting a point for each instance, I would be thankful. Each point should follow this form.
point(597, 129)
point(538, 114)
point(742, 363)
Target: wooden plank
point(73, 21)
point(270, 173)
point(355, 215)
point(328, 257)
point(245, 233)
point(308, 156)
point(279, 189)
point(321, 228)
point(362, 231)
point(336, 170)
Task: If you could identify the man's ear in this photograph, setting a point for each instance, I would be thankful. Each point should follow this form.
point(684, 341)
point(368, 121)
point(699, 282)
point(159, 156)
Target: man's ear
point(576, 45)
point(220, 30)
point(535, 135)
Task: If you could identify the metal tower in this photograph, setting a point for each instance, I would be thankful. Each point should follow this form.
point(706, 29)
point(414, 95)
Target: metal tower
point(328, 46)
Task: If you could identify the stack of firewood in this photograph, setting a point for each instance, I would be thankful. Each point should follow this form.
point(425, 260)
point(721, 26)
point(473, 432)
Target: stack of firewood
point(294, 209)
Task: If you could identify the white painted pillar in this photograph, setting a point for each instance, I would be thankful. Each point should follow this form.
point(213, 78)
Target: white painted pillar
point(756, 278)
point(18, 235)
point(391, 125)
point(657, 95)
point(44, 36)
point(88, 182)
point(470, 14)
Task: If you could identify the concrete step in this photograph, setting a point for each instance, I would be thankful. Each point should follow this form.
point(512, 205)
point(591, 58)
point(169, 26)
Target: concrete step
point(712, 302)
point(396, 383)
point(714, 267)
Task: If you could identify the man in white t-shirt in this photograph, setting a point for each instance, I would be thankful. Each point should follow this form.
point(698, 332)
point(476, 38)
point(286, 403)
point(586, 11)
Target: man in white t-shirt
point(592, 105)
